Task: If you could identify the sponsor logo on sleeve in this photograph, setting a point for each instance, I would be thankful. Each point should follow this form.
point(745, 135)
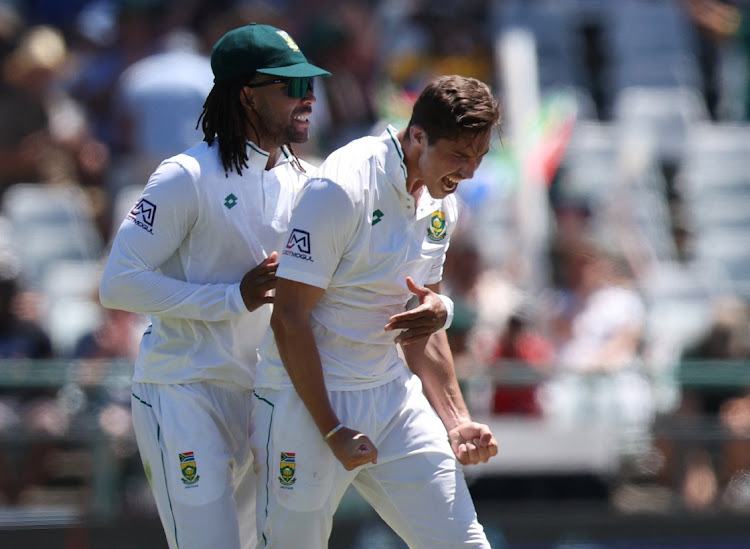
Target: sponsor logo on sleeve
point(298, 245)
point(143, 214)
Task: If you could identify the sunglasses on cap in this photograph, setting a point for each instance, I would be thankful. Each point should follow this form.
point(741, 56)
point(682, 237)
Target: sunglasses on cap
point(296, 87)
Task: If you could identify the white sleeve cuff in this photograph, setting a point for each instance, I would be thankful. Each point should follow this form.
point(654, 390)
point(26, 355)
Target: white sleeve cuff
point(448, 302)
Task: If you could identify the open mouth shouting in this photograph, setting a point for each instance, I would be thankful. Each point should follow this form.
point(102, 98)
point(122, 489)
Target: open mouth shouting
point(450, 183)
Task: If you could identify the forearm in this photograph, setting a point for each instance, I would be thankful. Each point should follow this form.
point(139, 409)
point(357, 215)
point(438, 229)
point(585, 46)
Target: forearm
point(148, 292)
point(299, 353)
point(432, 361)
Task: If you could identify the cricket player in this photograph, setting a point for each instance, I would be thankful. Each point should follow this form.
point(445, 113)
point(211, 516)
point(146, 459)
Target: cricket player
point(198, 253)
point(335, 403)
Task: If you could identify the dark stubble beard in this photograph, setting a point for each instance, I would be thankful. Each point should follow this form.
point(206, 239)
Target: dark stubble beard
point(284, 131)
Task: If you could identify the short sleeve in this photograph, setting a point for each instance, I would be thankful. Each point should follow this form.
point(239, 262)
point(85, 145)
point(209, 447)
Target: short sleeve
point(322, 225)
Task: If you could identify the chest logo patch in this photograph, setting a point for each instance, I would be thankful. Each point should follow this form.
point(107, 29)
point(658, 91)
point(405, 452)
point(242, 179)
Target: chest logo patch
point(377, 215)
point(436, 228)
point(230, 201)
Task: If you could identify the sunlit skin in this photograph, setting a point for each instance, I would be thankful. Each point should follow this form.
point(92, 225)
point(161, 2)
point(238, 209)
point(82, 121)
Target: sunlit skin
point(279, 119)
point(442, 165)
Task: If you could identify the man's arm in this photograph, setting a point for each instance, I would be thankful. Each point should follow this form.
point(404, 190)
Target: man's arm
point(431, 359)
point(434, 313)
point(292, 330)
point(132, 279)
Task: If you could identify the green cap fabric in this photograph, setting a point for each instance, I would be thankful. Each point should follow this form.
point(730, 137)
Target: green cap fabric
point(260, 48)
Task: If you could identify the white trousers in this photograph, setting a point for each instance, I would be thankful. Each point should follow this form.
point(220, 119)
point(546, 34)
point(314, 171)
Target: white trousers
point(194, 444)
point(417, 486)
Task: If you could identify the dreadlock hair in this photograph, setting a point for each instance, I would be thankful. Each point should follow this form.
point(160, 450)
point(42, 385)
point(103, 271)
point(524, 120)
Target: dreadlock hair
point(224, 119)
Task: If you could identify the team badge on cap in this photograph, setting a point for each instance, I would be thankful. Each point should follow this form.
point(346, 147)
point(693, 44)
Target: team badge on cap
point(288, 39)
point(436, 228)
point(286, 469)
point(189, 469)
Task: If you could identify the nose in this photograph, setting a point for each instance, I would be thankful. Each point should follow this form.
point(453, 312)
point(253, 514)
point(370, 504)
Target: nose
point(309, 96)
point(469, 167)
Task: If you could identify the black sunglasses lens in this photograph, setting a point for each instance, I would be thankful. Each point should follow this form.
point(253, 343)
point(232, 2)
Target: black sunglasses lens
point(298, 87)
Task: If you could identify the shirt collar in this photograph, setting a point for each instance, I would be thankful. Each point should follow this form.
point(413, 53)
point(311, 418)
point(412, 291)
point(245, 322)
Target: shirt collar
point(393, 163)
point(395, 169)
point(256, 157)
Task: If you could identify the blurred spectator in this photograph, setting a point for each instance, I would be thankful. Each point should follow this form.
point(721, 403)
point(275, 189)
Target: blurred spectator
point(32, 410)
point(11, 26)
point(415, 47)
point(346, 40)
point(601, 316)
point(598, 322)
point(483, 300)
point(44, 132)
point(734, 463)
point(707, 468)
point(727, 337)
point(117, 337)
point(155, 102)
point(520, 343)
point(45, 135)
point(718, 24)
point(21, 335)
point(117, 35)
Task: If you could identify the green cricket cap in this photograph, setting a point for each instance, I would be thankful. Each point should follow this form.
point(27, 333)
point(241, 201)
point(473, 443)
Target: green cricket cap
point(260, 48)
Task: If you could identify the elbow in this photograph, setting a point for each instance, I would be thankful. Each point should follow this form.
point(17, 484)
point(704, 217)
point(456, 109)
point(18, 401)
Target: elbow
point(106, 295)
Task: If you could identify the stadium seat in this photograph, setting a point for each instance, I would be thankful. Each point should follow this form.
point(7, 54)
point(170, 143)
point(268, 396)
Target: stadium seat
point(50, 222)
point(665, 114)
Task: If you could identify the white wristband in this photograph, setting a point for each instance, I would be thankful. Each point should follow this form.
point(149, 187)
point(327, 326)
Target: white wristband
point(448, 302)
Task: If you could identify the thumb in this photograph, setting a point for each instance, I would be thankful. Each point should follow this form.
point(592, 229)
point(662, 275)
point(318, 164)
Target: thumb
point(413, 288)
point(273, 256)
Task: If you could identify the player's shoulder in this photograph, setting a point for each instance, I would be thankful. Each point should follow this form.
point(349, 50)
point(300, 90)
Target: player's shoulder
point(357, 152)
point(352, 164)
point(187, 168)
point(199, 161)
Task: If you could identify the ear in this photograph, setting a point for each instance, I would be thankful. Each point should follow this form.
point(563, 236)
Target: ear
point(246, 97)
point(417, 136)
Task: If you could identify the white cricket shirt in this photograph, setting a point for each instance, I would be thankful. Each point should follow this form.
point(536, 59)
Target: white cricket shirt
point(180, 254)
point(356, 232)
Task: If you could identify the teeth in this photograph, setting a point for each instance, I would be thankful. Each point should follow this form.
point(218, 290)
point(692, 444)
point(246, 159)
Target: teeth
point(453, 182)
point(301, 118)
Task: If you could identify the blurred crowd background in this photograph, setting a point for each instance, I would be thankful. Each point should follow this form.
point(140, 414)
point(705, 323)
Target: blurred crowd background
point(601, 271)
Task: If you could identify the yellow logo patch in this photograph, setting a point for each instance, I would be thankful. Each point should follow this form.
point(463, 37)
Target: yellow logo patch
point(289, 40)
point(286, 469)
point(436, 229)
point(189, 469)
